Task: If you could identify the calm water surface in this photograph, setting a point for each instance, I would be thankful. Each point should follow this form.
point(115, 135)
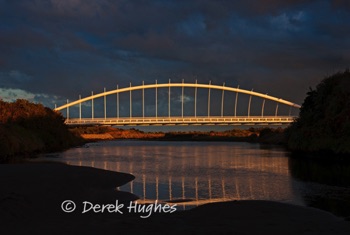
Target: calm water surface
point(193, 173)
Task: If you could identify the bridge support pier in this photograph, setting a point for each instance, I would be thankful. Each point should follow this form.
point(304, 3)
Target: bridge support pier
point(262, 108)
point(156, 100)
point(169, 100)
point(92, 106)
point(195, 100)
point(117, 102)
point(130, 103)
point(104, 103)
point(222, 101)
point(67, 110)
point(80, 108)
point(236, 100)
point(143, 100)
point(209, 99)
point(182, 100)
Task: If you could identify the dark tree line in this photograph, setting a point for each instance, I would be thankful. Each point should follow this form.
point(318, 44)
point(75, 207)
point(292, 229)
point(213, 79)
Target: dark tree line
point(27, 128)
point(323, 125)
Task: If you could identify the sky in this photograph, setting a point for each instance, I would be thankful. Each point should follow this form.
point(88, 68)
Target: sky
point(54, 50)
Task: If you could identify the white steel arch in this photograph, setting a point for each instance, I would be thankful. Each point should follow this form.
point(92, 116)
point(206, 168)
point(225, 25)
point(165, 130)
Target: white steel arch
point(169, 85)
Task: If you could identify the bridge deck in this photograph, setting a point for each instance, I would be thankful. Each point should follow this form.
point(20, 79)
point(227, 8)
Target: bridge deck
point(203, 120)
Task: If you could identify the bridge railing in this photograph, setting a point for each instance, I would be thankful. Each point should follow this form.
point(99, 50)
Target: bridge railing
point(252, 120)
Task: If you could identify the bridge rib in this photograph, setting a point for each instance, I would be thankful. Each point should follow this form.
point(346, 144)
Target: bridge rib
point(167, 85)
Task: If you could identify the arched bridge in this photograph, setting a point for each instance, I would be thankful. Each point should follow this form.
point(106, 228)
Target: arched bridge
point(167, 104)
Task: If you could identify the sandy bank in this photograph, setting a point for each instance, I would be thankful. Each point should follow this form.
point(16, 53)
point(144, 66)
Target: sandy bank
point(31, 197)
point(31, 194)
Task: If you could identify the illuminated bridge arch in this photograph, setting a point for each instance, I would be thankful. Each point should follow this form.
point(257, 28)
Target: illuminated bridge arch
point(182, 119)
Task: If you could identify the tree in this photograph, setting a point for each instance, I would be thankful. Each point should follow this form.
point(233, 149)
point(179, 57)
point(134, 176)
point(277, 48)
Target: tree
point(27, 128)
point(324, 121)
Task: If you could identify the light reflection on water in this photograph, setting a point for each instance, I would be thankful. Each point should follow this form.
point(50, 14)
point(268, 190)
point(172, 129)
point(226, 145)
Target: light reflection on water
point(194, 172)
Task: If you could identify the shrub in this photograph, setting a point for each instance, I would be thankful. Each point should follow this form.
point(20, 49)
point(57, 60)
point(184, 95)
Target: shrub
point(324, 121)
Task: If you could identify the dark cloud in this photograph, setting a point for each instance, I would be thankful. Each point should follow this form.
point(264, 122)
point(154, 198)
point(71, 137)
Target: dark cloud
point(67, 47)
point(341, 4)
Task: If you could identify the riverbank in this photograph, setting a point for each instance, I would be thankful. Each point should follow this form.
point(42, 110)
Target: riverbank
point(257, 135)
point(28, 129)
point(323, 125)
point(32, 193)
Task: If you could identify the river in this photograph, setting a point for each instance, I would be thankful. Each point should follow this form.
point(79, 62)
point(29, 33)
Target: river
point(193, 173)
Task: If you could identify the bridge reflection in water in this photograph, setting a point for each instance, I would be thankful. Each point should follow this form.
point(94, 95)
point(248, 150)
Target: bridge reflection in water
point(193, 173)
